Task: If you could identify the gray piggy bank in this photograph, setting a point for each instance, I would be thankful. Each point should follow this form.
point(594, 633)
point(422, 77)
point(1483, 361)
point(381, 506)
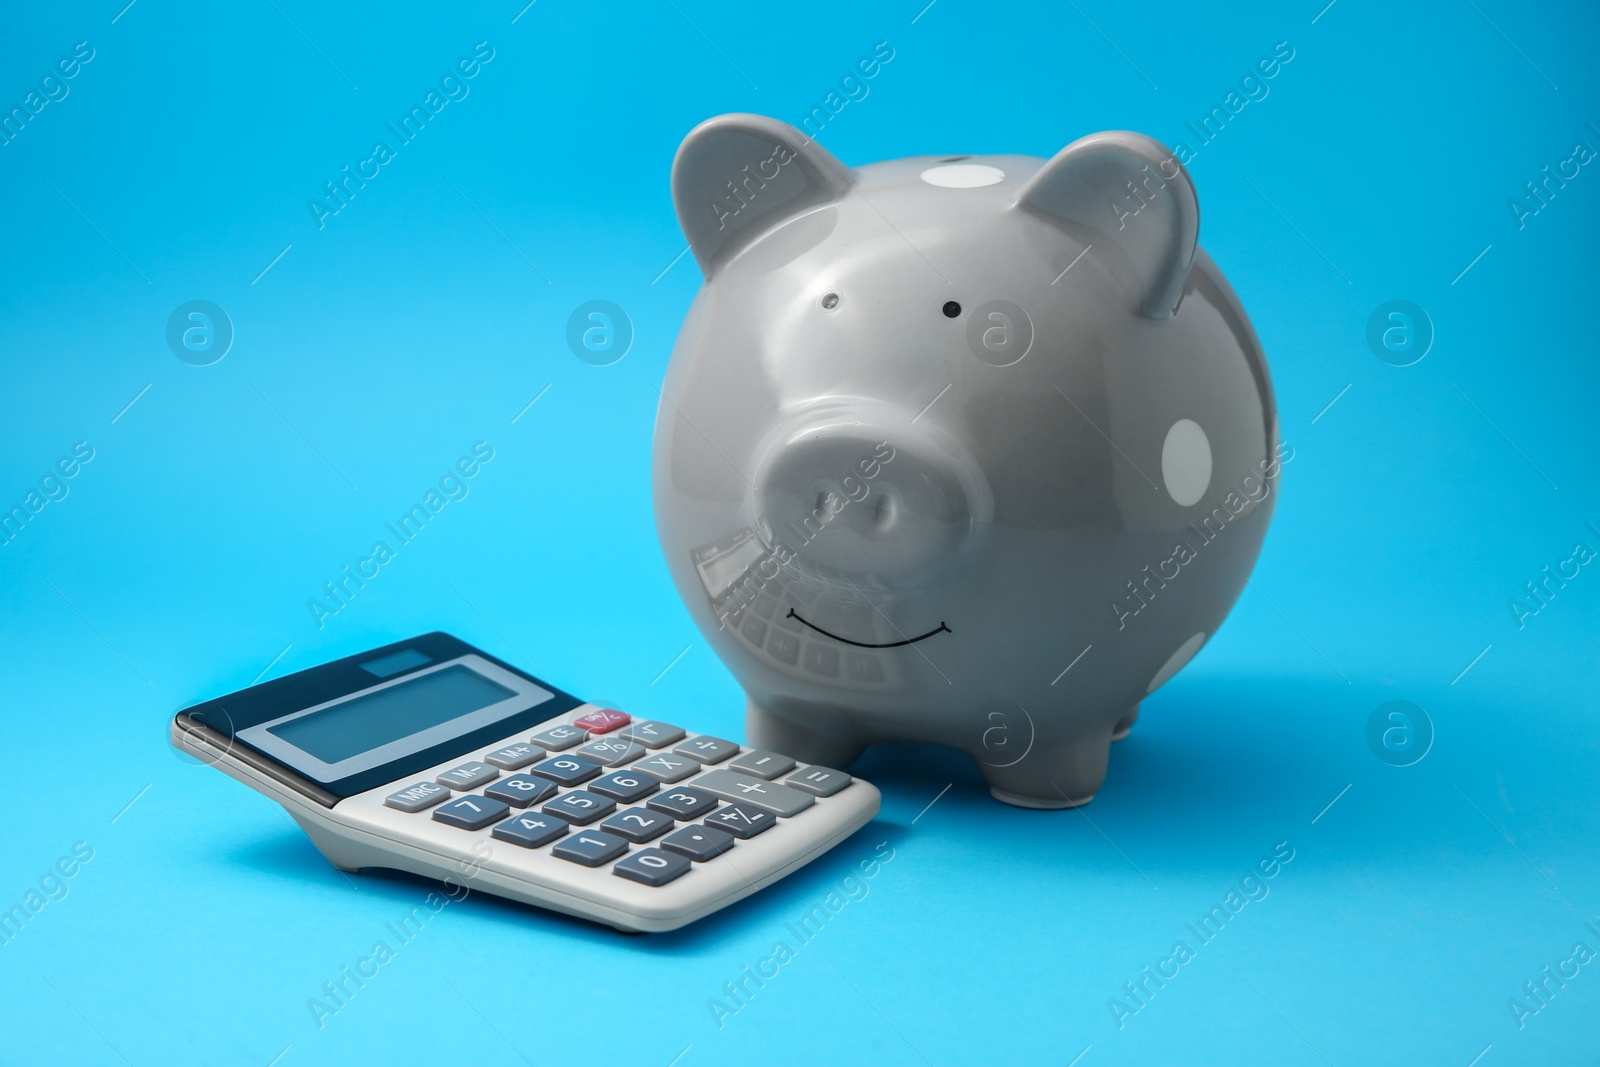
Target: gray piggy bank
point(972, 450)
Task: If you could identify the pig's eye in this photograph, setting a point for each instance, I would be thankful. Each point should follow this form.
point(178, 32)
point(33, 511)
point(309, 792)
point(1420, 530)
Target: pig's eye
point(951, 309)
point(829, 301)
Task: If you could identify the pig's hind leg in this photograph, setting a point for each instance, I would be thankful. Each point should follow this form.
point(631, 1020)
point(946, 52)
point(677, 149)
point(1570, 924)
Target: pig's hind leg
point(1056, 773)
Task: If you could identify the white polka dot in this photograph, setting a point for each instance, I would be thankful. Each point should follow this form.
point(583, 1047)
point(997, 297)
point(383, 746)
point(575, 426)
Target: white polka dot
point(1186, 462)
point(963, 176)
point(1179, 660)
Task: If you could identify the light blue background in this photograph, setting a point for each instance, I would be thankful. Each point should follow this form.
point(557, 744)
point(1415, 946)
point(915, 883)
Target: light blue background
point(420, 320)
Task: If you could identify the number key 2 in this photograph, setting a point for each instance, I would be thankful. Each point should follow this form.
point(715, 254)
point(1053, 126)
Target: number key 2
point(638, 825)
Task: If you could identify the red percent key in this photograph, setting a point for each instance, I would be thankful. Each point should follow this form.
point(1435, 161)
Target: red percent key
point(603, 720)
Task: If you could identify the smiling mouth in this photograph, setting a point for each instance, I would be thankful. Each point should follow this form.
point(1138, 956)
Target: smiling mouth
point(941, 629)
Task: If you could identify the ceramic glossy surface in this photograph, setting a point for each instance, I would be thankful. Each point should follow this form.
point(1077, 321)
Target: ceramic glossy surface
point(974, 450)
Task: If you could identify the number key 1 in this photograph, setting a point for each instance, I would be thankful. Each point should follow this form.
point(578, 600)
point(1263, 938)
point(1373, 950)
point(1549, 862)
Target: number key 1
point(591, 848)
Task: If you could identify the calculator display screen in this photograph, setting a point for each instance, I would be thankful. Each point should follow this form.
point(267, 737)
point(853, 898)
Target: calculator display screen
point(342, 728)
point(385, 715)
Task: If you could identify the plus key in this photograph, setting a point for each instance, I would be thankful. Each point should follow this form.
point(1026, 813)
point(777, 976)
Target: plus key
point(770, 797)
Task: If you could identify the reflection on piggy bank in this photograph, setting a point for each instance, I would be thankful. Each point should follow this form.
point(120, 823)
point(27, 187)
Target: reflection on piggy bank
point(974, 450)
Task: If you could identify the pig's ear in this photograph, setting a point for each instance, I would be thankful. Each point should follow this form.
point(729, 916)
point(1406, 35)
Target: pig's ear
point(738, 176)
point(1130, 199)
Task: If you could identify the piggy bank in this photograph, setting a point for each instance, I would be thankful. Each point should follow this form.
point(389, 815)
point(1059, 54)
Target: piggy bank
point(970, 450)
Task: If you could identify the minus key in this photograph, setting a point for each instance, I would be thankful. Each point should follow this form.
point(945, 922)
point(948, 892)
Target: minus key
point(762, 764)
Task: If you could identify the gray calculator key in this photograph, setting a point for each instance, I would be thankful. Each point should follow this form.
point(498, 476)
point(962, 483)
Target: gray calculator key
point(567, 770)
point(669, 766)
point(652, 867)
point(417, 797)
point(515, 756)
point(530, 829)
point(819, 781)
point(638, 824)
point(742, 820)
point(471, 813)
point(785, 648)
point(591, 848)
point(762, 764)
point(653, 734)
point(469, 775)
point(521, 790)
point(707, 749)
point(560, 738)
point(684, 802)
point(626, 786)
point(768, 796)
point(580, 806)
point(699, 843)
point(612, 751)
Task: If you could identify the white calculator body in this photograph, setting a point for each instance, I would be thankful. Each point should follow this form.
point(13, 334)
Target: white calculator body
point(433, 757)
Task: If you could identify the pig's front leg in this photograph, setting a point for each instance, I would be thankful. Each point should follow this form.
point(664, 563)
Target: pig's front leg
point(830, 744)
point(1125, 724)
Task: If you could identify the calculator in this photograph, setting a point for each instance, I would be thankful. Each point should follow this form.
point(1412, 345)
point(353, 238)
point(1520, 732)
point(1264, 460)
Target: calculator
point(434, 757)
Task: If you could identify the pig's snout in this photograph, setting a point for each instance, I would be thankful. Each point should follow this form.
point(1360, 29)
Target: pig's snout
point(883, 501)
